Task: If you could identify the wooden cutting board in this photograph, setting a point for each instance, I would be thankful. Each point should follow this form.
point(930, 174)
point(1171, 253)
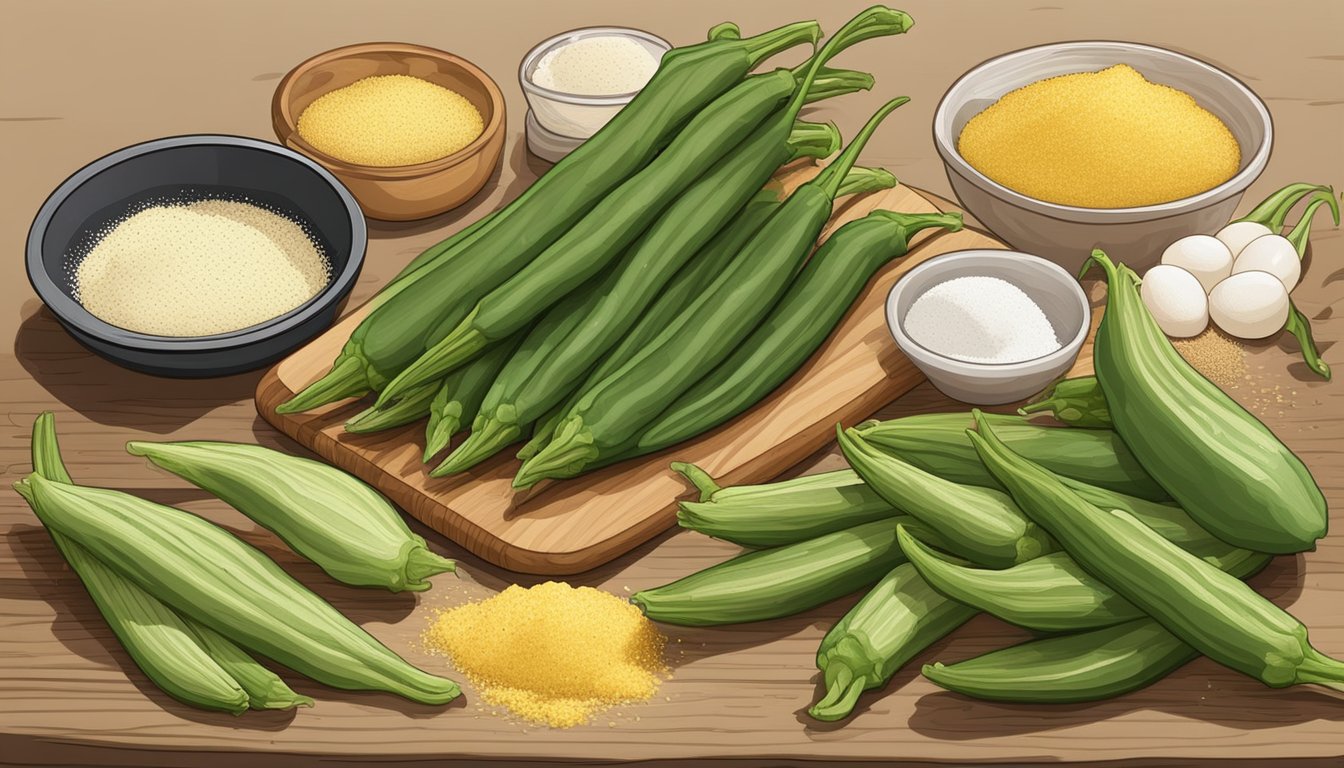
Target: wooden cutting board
point(572, 526)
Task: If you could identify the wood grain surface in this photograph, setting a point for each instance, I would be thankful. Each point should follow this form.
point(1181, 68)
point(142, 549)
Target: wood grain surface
point(561, 528)
point(89, 78)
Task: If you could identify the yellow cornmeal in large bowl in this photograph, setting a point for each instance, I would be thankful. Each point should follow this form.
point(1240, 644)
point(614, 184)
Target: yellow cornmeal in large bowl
point(1108, 139)
point(553, 654)
point(390, 120)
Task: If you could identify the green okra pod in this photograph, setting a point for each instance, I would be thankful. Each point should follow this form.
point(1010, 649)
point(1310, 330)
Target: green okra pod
point(329, 517)
point(1066, 669)
point(1212, 611)
point(1076, 402)
point(1051, 593)
point(185, 659)
point(605, 417)
point(416, 311)
point(575, 333)
point(899, 617)
point(412, 407)
point(460, 394)
point(771, 583)
point(781, 513)
point(207, 574)
point(796, 327)
point(981, 524)
point(693, 278)
point(1200, 444)
point(936, 443)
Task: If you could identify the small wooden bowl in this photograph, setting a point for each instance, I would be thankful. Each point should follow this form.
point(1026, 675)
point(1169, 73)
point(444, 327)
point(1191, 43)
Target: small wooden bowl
point(404, 192)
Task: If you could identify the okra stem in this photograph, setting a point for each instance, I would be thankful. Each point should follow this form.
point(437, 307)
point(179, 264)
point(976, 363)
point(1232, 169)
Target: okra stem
point(1302, 230)
point(1273, 210)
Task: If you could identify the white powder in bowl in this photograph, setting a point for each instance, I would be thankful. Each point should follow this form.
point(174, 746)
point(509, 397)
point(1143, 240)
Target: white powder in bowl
point(605, 65)
point(980, 320)
point(199, 268)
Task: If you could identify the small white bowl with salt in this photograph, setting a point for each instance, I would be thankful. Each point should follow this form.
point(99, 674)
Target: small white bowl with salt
point(987, 326)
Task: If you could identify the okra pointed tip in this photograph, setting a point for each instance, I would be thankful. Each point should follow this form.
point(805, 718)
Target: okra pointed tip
point(345, 379)
point(843, 689)
point(439, 437)
point(421, 564)
point(567, 454)
point(488, 437)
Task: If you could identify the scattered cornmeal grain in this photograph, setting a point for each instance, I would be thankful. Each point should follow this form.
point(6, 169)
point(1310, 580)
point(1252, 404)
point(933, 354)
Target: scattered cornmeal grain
point(553, 654)
point(1108, 139)
point(390, 120)
point(1219, 358)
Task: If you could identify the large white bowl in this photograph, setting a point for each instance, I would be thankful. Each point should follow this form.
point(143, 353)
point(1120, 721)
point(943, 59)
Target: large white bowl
point(1055, 291)
point(1067, 234)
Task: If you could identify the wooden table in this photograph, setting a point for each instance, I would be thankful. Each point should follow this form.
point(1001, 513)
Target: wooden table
point(85, 79)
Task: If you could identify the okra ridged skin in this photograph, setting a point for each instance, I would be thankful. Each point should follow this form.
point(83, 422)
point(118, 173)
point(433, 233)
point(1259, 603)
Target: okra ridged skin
point(693, 278)
point(329, 517)
point(1067, 669)
point(596, 239)
point(982, 525)
point(1212, 611)
point(790, 512)
point(936, 443)
point(795, 328)
point(182, 657)
point(898, 618)
point(207, 574)
point(414, 406)
point(525, 393)
point(264, 688)
point(1049, 594)
point(418, 309)
point(156, 638)
point(1225, 467)
point(604, 418)
point(771, 583)
point(460, 395)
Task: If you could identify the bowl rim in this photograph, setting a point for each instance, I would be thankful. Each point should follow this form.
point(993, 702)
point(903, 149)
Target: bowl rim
point(286, 124)
point(1067, 349)
point(1237, 184)
point(579, 99)
point(71, 312)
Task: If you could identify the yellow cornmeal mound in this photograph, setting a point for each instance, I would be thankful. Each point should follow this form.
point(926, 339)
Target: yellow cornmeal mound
point(1107, 139)
point(553, 654)
point(390, 120)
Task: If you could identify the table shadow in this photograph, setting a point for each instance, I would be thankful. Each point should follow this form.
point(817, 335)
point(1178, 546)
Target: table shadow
point(108, 394)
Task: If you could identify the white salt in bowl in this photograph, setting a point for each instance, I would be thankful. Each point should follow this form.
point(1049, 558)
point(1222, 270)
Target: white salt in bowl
point(1055, 291)
point(571, 115)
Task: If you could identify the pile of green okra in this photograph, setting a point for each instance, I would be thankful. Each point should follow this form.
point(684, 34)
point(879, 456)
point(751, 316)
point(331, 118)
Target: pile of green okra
point(1123, 537)
point(650, 286)
point(194, 605)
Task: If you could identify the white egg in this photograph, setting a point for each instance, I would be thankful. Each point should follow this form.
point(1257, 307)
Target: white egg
point(1176, 300)
point(1204, 256)
point(1239, 234)
point(1274, 254)
point(1249, 305)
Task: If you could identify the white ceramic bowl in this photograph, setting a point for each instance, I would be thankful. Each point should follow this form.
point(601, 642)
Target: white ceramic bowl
point(568, 114)
point(1067, 234)
point(1054, 290)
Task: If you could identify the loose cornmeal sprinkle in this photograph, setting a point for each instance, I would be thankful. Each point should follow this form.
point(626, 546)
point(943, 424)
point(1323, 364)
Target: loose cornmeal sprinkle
point(390, 120)
point(553, 654)
point(199, 268)
point(1220, 359)
point(1107, 139)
